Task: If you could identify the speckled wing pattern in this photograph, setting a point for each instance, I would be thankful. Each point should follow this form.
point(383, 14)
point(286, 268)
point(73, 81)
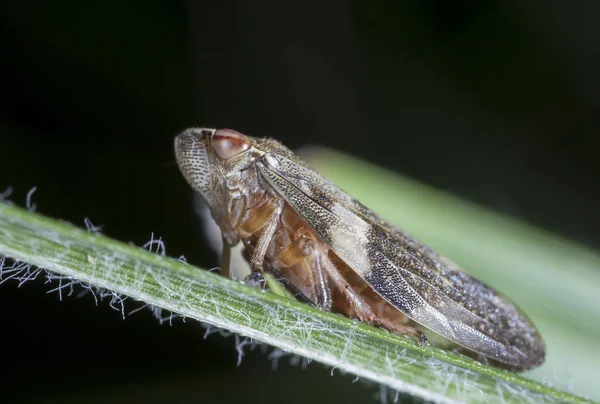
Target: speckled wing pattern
point(426, 287)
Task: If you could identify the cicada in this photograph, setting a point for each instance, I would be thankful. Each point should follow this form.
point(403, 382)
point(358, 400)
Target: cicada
point(336, 254)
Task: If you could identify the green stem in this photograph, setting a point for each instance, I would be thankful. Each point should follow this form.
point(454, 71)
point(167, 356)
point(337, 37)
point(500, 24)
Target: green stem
point(350, 346)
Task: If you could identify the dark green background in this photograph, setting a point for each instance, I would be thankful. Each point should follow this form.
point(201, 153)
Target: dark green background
point(495, 101)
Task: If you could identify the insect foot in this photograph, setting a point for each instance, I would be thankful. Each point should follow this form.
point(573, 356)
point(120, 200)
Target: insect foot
point(256, 279)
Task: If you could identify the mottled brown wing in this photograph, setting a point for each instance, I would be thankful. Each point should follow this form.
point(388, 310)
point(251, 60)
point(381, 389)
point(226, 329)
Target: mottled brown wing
point(428, 288)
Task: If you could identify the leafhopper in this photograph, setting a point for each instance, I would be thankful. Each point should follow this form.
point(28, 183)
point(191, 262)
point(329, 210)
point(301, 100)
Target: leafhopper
point(333, 252)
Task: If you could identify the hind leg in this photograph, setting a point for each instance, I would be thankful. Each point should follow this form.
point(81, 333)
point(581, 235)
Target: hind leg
point(304, 251)
point(364, 305)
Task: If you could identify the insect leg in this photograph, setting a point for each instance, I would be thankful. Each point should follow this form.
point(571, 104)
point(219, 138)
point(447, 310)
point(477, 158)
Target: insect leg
point(266, 218)
point(256, 279)
point(306, 249)
point(401, 329)
point(225, 264)
point(363, 309)
point(289, 286)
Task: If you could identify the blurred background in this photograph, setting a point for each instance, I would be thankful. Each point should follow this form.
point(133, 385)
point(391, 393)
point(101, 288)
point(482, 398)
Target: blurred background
point(496, 102)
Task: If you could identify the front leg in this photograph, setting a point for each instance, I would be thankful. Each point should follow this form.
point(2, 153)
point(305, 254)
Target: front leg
point(246, 223)
point(263, 219)
point(225, 263)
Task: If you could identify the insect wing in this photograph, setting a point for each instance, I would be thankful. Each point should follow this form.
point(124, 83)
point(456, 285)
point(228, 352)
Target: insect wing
point(426, 287)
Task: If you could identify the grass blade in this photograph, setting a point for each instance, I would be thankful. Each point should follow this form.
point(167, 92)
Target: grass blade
point(353, 347)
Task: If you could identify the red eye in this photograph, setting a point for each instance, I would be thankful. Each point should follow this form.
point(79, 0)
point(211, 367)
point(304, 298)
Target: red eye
point(227, 143)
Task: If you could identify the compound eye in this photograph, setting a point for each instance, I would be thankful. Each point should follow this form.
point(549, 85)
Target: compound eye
point(227, 143)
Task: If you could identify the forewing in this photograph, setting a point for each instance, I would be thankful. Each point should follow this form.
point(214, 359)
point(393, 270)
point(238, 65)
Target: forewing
point(426, 287)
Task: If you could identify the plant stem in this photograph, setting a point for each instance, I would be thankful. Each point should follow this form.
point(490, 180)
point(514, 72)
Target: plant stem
point(350, 346)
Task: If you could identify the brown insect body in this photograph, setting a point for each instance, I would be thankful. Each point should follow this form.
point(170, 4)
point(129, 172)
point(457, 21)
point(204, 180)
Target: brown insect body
point(339, 254)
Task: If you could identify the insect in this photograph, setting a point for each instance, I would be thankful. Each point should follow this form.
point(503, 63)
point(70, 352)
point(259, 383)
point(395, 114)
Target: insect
point(336, 254)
